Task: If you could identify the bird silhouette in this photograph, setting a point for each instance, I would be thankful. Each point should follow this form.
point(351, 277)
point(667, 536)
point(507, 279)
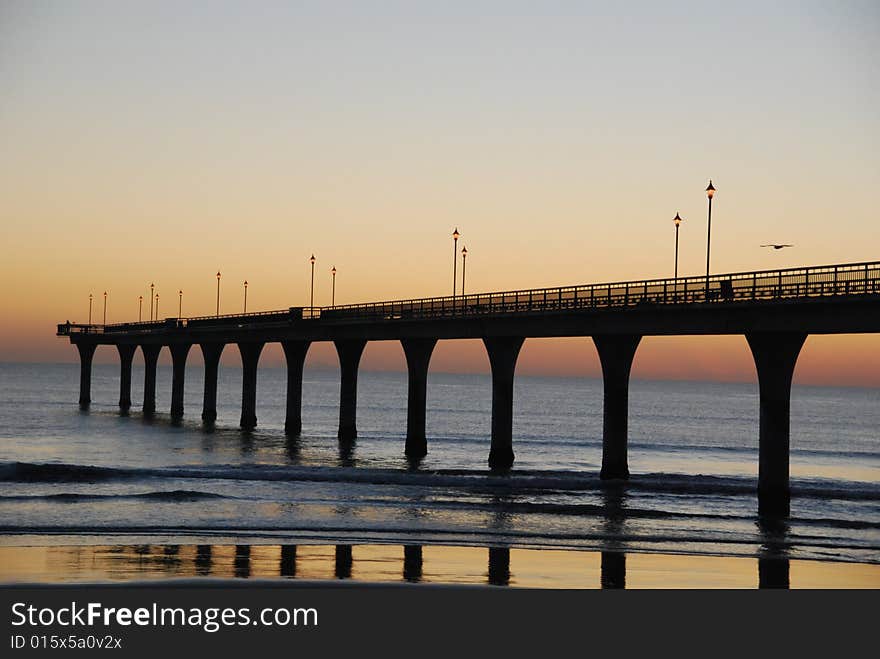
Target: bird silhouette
point(775, 246)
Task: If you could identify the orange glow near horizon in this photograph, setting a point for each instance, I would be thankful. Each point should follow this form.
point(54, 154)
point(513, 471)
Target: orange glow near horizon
point(366, 136)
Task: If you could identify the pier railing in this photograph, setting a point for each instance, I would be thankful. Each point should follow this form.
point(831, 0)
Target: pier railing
point(769, 285)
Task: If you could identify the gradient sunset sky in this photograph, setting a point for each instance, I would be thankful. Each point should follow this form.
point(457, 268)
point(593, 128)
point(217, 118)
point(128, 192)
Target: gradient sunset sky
point(164, 141)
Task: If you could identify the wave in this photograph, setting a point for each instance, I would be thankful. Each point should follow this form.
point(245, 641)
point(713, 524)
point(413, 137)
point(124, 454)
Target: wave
point(481, 481)
point(75, 497)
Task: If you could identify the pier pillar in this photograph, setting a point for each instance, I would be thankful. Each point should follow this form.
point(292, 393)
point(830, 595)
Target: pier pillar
point(295, 354)
point(502, 352)
point(211, 353)
point(86, 352)
point(418, 355)
point(616, 353)
point(349, 351)
point(775, 357)
point(126, 354)
point(179, 351)
point(151, 358)
point(250, 357)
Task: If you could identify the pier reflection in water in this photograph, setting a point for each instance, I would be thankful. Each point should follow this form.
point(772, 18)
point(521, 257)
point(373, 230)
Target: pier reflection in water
point(496, 566)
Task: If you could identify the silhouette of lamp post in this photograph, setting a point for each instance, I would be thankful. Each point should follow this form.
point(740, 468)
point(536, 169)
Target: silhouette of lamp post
point(157, 306)
point(105, 307)
point(245, 295)
point(455, 235)
point(710, 192)
point(152, 286)
point(140, 307)
point(179, 304)
point(333, 287)
point(218, 293)
point(312, 289)
point(463, 268)
point(90, 308)
point(677, 220)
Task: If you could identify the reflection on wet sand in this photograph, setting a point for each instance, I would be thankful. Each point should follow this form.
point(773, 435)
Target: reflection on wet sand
point(507, 566)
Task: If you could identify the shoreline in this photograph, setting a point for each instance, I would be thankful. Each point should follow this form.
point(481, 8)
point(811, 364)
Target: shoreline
point(365, 564)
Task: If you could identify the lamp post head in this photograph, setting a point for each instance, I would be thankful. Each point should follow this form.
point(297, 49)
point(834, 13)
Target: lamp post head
point(312, 260)
point(676, 219)
point(710, 190)
point(105, 293)
point(333, 270)
point(180, 293)
point(141, 298)
point(245, 283)
point(90, 296)
point(464, 252)
point(157, 296)
point(218, 274)
point(455, 234)
point(152, 285)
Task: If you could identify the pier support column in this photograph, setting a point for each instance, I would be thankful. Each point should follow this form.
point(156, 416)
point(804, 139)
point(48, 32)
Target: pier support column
point(616, 353)
point(775, 358)
point(126, 354)
point(250, 357)
point(151, 358)
point(503, 353)
point(295, 354)
point(179, 351)
point(349, 352)
point(86, 352)
point(418, 355)
point(211, 353)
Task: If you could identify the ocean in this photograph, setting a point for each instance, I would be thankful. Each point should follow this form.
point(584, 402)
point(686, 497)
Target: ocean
point(101, 482)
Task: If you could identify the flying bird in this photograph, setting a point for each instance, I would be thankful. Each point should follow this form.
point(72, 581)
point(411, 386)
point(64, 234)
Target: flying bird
point(775, 246)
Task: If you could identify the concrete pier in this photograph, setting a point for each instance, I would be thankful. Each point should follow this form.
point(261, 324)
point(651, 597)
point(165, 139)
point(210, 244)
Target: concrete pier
point(295, 355)
point(616, 353)
point(503, 353)
point(775, 356)
point(86, 352)
point(418, 355)
point(250, 357)
point(211, 354)
point(349, 352)
point(126, 355)
point(179, 351)
point(151, 359)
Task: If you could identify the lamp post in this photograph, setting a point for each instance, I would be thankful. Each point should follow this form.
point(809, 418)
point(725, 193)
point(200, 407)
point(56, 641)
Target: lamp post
point(463, 268)
point(312, 290)
point(218, 293)
point(677, 221)
point(105, 307)
point(90, 308)
point(710, 192)
point(152, 286)
point(455, 235)
point(179, 304)
point(333, 287)
point(157, 306)
point(140, 307)
point(245, 296)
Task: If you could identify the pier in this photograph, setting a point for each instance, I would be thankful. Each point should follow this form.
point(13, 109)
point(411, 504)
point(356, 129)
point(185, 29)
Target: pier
point(774, 310)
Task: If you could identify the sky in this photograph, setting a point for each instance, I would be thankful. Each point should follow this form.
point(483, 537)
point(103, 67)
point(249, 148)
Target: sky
point(162, 141)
